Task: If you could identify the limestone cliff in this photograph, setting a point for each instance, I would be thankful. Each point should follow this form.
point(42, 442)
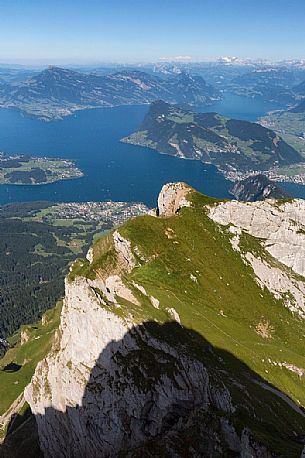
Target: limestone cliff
point(281, 226)
point(172, 198)
point(166, 334)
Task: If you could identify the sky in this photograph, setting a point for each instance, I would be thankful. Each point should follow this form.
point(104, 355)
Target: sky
point(91, 31)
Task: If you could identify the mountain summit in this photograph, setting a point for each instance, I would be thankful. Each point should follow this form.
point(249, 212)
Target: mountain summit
point(181, 335)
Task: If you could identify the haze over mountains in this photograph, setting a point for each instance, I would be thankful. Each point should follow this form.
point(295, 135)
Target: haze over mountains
point(56, 92)
point(278, 84)
point(300, 108)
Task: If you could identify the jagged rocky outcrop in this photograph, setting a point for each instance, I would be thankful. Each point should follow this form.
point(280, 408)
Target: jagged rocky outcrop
point(281, 229)
point(281, 226)
point(96, 400)
point(172, 198)
point(133, 369)
point(90, 399)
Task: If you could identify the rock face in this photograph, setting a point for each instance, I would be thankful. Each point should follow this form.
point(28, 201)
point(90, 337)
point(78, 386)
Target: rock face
point(281, 226)
point(130, 374)
point(172, 198)
point(281, 229)
point(257, 187)
point(95, 395)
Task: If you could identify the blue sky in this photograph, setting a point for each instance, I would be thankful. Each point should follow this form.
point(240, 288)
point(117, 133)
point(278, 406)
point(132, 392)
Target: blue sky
point(83, 31)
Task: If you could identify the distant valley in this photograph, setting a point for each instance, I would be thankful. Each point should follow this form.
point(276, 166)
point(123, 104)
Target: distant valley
point(42, 238)
point(279, 84)
point(290, 124)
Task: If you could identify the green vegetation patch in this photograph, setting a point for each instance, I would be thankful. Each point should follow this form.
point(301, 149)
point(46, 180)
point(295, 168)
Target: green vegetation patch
point(290, 125)
point(35, 260)
point(31, 344)
point(227, 143)
point(36, 170)
point(197, 273)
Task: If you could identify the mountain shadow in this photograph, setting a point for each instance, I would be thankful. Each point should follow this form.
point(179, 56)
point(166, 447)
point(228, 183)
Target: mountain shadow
point(165, 391)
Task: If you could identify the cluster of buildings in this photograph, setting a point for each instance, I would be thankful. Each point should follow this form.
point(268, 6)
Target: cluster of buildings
point(116, 212)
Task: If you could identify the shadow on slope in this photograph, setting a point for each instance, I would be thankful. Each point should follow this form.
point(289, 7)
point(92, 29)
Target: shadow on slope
point(165, 391)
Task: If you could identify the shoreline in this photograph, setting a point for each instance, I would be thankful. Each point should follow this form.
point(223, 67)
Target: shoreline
point(70, 111)
point(54, 169)
point(42, 184)
point(236, 175)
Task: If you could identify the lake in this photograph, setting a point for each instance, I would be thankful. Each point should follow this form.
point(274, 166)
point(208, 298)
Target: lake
point(113, 170)
point(239, 107)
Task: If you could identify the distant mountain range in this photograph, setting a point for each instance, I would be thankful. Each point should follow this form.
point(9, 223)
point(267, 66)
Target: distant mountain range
point(277, 84)
point(300, 89)
point(57, 92)
point(273, 82)
point(227, 143)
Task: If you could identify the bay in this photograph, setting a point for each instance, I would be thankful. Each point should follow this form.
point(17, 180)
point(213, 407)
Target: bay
point(112, 170)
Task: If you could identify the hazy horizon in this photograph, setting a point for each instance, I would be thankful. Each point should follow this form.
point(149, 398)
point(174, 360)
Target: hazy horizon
point(44, 63)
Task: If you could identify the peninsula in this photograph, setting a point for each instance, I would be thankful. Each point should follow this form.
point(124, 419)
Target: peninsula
point(31, 170)
point(237, 148)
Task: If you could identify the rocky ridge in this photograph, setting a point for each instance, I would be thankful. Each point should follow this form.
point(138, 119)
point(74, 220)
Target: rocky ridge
point(280, 227)
point(125, 376)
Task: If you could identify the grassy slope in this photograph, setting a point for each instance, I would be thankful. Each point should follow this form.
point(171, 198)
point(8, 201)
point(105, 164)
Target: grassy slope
point(233, 291)
point(216, 136)
point(290, 126)
point(27, 355)
point(224, 305)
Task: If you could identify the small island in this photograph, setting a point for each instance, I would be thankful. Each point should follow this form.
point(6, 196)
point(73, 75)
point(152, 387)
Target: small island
point(31, 170)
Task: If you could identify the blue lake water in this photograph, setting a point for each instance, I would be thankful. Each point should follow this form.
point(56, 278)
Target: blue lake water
point(246, 108)
point(113, 170)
